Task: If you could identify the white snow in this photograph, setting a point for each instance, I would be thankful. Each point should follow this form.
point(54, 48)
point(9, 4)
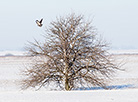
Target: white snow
point(123, 51)
point(13, 53)
point(130, 95)
point(11, 66)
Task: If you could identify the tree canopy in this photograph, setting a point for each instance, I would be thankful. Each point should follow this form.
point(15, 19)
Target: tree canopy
point(71, 57)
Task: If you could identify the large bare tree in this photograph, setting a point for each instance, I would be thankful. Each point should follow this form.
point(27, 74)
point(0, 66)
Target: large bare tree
point(71, 56)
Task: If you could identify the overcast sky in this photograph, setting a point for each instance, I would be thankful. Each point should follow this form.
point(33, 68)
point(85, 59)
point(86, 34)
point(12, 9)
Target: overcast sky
point(116, 20)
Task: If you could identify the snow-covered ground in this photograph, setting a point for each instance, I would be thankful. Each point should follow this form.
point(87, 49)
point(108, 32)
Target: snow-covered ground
point(11, 66)
point(12, 53)
point(126, 52)
point(129, 95)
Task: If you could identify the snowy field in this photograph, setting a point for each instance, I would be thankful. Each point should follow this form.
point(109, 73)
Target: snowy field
point(11, 64)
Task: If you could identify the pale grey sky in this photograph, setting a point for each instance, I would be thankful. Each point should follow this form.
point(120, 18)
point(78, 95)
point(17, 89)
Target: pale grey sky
point(116, 20)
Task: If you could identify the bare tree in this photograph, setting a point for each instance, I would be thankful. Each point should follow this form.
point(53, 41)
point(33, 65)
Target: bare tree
point(75, 56)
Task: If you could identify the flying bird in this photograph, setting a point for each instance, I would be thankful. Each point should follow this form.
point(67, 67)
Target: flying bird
point(39, 23)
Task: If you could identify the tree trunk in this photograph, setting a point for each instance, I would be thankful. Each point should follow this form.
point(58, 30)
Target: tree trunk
point(67, 87)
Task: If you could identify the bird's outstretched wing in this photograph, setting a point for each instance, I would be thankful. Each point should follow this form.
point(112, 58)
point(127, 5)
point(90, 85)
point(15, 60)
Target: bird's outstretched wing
point(38, 23)
point(41, 20)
